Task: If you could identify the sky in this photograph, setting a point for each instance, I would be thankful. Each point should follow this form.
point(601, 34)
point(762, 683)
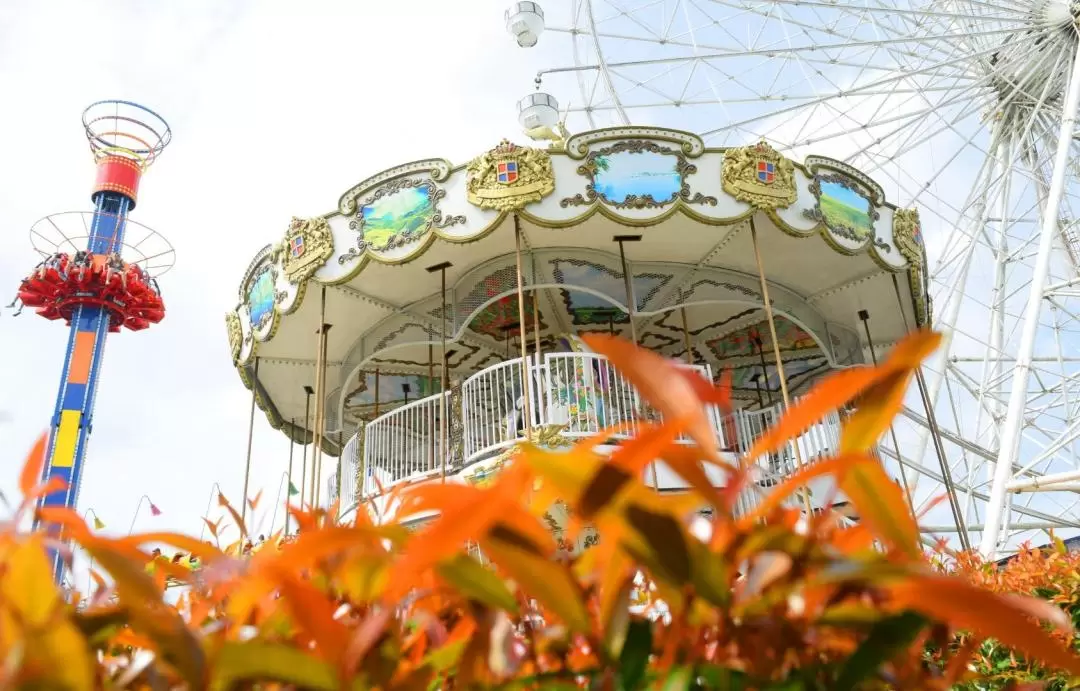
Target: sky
point(276, 108)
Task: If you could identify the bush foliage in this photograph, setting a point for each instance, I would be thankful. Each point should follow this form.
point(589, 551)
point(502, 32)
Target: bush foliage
point(768, 600)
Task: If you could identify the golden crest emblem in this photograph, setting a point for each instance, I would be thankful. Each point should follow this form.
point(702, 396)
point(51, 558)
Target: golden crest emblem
point(760, 176)
point(307, 245)
point(508, 177)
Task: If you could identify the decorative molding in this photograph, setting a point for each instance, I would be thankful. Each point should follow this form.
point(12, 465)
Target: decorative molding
point(596, 163)
point(399, 237)
point(907, 233)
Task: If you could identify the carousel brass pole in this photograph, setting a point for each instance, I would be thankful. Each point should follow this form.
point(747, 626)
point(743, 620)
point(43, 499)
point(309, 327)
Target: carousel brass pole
point(776, 354)
point(308, 391)
point(441, 268)
point(251, 437)
point(630, 306)
point(316, 432)
point(630, 309)
point(935, 433)
point(521, 321)
point(320, 420)
point(686, 338)
point(756, 338)
point(292, 445)
point(536, 322)
point(536, 333)
point(376, 393)
point(431, 388)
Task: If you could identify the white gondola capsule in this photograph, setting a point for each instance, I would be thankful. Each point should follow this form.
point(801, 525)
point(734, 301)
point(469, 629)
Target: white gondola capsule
point(525, 22)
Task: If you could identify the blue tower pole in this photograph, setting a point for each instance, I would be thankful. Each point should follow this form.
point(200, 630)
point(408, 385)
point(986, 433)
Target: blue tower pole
point(73, 415)
point(96, 291)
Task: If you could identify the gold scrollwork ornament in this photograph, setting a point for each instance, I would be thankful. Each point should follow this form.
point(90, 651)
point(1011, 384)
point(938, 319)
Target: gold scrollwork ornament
point(308, 244)
point(508, 177)
point(907, 233)
point(760, 176)
point(236, 336)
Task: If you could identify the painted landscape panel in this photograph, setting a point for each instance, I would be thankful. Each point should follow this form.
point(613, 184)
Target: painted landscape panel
point(845, 210)
point(260, 297)
point(644, 174)
point(408, 212)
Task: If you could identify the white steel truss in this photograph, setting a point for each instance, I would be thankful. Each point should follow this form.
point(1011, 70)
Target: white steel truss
point(965, 109)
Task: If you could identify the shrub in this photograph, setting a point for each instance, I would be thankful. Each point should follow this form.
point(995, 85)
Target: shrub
point(769, 599)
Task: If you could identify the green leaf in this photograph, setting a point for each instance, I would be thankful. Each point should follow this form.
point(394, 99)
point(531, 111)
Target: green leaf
point(678, 679)
point(477, 583)
point(666, 539)
point(242, 663)
point(634, 659)
point(886, 638)
point(717, 678)
point(549, 582)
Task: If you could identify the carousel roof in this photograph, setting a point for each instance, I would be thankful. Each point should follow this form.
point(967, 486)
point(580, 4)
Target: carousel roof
point(830, 244)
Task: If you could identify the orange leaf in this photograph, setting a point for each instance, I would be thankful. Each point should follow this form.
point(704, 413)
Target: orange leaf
point(990, 616)
point(188, 544)
point(213, 527)
point(313, 612)
point(252, 503)
point(32, 466)
point(876, 409)
point(53, 484)
point(882, 506)
point(222, 501)
point(829, 466)
point(842, 387)
point(663, 384)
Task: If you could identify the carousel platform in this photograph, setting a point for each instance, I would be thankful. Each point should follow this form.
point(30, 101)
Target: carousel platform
point(391, 331)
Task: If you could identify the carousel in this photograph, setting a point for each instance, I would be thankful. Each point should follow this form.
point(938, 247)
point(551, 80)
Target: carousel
point(431, 319)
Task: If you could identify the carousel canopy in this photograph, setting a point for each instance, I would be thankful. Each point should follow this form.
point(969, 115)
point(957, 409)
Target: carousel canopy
point(844, 269)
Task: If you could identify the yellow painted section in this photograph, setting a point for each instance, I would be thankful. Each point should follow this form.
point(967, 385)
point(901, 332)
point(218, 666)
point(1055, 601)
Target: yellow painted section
point(66, 437)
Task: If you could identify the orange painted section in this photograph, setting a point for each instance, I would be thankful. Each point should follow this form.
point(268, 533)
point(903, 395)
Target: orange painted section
point(82, 357)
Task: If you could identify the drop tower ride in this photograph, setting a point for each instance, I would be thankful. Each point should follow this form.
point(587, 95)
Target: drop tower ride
point(99, 274)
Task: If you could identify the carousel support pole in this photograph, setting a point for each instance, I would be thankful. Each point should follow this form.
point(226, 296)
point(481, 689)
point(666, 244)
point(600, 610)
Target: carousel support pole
point(320, 417)
point(686, 338)
point(251, 437)
point(308, 391)
point(628, 284)
point(441, 268)
point(316, 432)
point(376, 392)
point(521, 321)
point(935, 434)
point(431, 388)
point(292, 445)
point(631, 307)
point(756, 338)
point(864, 317)
point(776, 354)
point(536, 337)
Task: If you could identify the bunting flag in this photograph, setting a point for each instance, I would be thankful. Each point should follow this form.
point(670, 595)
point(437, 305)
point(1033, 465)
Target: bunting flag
point(98, 525)
point(154, 510)
point(292, 490)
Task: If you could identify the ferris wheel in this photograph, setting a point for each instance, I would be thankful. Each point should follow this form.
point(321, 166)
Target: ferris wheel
point(965, 109)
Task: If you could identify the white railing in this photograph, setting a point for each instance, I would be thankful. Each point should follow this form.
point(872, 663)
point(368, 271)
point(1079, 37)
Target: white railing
point(348, 464)
point(587, 394)
point(582, 391)
point(493, 407)
point(403, 444)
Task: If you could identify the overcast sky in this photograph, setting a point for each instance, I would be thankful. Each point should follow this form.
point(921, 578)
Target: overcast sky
point(276, 108)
